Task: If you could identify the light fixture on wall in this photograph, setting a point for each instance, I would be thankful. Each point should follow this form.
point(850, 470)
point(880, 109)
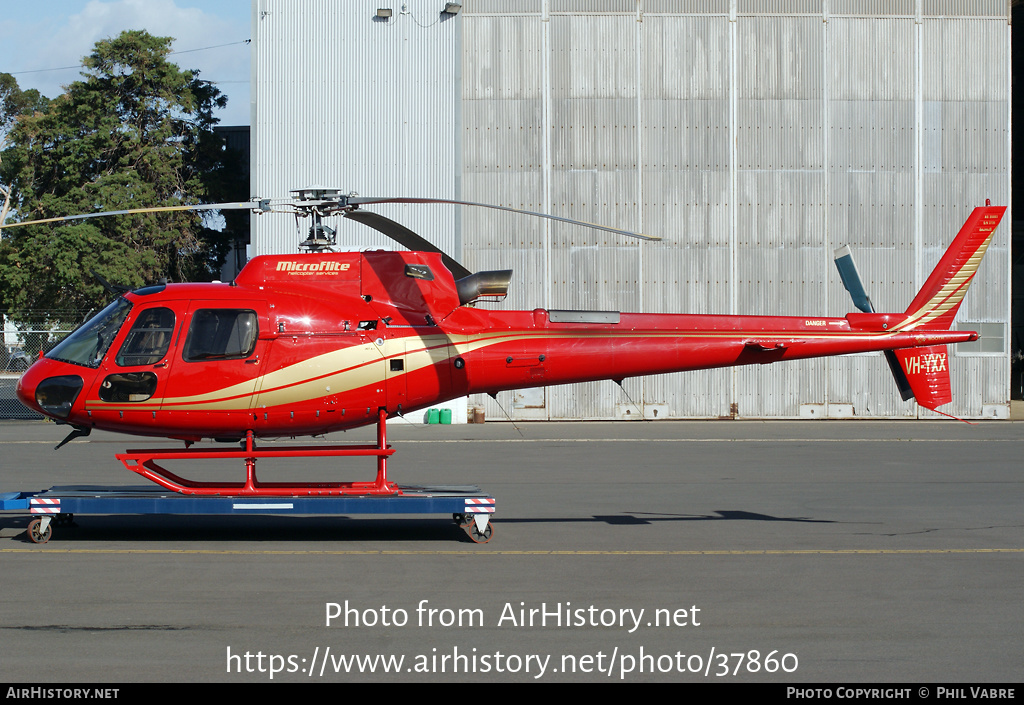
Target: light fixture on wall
point(451, 8)
point(384, 12)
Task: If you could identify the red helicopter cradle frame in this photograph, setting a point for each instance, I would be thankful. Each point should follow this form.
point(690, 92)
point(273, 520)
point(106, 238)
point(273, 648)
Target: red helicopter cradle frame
point(307, 344)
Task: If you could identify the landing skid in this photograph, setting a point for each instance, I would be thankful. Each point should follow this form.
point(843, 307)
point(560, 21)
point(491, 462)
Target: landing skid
point(471, 508)
point(143, 462)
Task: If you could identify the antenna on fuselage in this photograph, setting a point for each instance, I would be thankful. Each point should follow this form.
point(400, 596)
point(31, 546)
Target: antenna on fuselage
point(619, 382)
point(494, 396)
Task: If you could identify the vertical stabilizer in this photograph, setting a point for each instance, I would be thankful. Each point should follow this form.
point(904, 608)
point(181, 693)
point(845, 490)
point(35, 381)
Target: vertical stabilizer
point(937, 302)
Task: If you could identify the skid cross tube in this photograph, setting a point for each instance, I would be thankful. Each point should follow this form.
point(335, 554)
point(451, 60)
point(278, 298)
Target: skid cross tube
point(143, 462)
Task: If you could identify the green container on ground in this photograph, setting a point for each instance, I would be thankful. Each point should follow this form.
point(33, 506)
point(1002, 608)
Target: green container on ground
point(446, 416)
point(432, 416)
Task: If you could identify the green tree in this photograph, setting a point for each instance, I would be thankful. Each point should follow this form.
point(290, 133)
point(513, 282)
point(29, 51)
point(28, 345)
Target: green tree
point(15, 102)
point(136, 132)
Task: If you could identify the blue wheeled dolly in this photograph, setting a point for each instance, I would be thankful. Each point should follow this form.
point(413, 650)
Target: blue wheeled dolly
point(468, 505)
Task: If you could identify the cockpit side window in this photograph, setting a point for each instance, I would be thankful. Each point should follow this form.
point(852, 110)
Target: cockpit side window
point(149, 338)
point(221, 334)
point(88, 344)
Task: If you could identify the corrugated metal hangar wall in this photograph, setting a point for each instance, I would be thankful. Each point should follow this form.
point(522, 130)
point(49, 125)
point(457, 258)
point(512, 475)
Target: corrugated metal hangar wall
point(753, 136)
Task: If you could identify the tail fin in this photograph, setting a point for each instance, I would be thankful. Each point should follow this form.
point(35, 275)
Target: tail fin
point(937, 302)
point(923, 372)
point(935, 306)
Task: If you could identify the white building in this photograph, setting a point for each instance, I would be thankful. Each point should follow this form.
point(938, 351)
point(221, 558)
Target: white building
point(753, 136)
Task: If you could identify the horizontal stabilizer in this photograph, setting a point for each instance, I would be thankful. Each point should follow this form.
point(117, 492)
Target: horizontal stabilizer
point(759, 346)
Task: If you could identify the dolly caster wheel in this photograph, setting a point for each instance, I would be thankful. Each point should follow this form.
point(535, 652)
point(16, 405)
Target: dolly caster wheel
point(37, 536)
point(475, 534)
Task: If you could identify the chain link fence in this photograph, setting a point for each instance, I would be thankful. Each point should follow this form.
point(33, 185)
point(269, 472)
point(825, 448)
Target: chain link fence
point(24, 343)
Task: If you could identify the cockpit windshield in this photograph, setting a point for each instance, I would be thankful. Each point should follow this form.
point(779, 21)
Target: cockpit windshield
point(88, 344)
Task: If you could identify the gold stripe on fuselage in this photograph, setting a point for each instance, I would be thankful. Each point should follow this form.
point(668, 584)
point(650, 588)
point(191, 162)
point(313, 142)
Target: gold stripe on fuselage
point(353, 367)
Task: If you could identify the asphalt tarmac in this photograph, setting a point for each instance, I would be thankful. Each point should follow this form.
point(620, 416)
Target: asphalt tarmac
point(724, 551)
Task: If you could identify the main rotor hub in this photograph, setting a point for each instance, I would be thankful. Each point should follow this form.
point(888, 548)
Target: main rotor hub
point(317, 202)
point(319, 193)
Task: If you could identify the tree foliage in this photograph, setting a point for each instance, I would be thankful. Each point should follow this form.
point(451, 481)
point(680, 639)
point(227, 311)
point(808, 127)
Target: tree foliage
point(15, 102)
point(136, 132)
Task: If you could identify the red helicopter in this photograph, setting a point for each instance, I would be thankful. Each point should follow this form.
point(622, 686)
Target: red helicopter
point(307, 344)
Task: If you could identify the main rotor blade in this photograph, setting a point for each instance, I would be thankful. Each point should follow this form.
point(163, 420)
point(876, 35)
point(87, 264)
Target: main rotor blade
point(406, 238)
point(360, 200)
point(158, 209)
point(112, 289)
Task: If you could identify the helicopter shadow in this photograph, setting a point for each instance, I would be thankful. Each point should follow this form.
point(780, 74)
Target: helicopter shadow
point(648, 518)
point(342, 529)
